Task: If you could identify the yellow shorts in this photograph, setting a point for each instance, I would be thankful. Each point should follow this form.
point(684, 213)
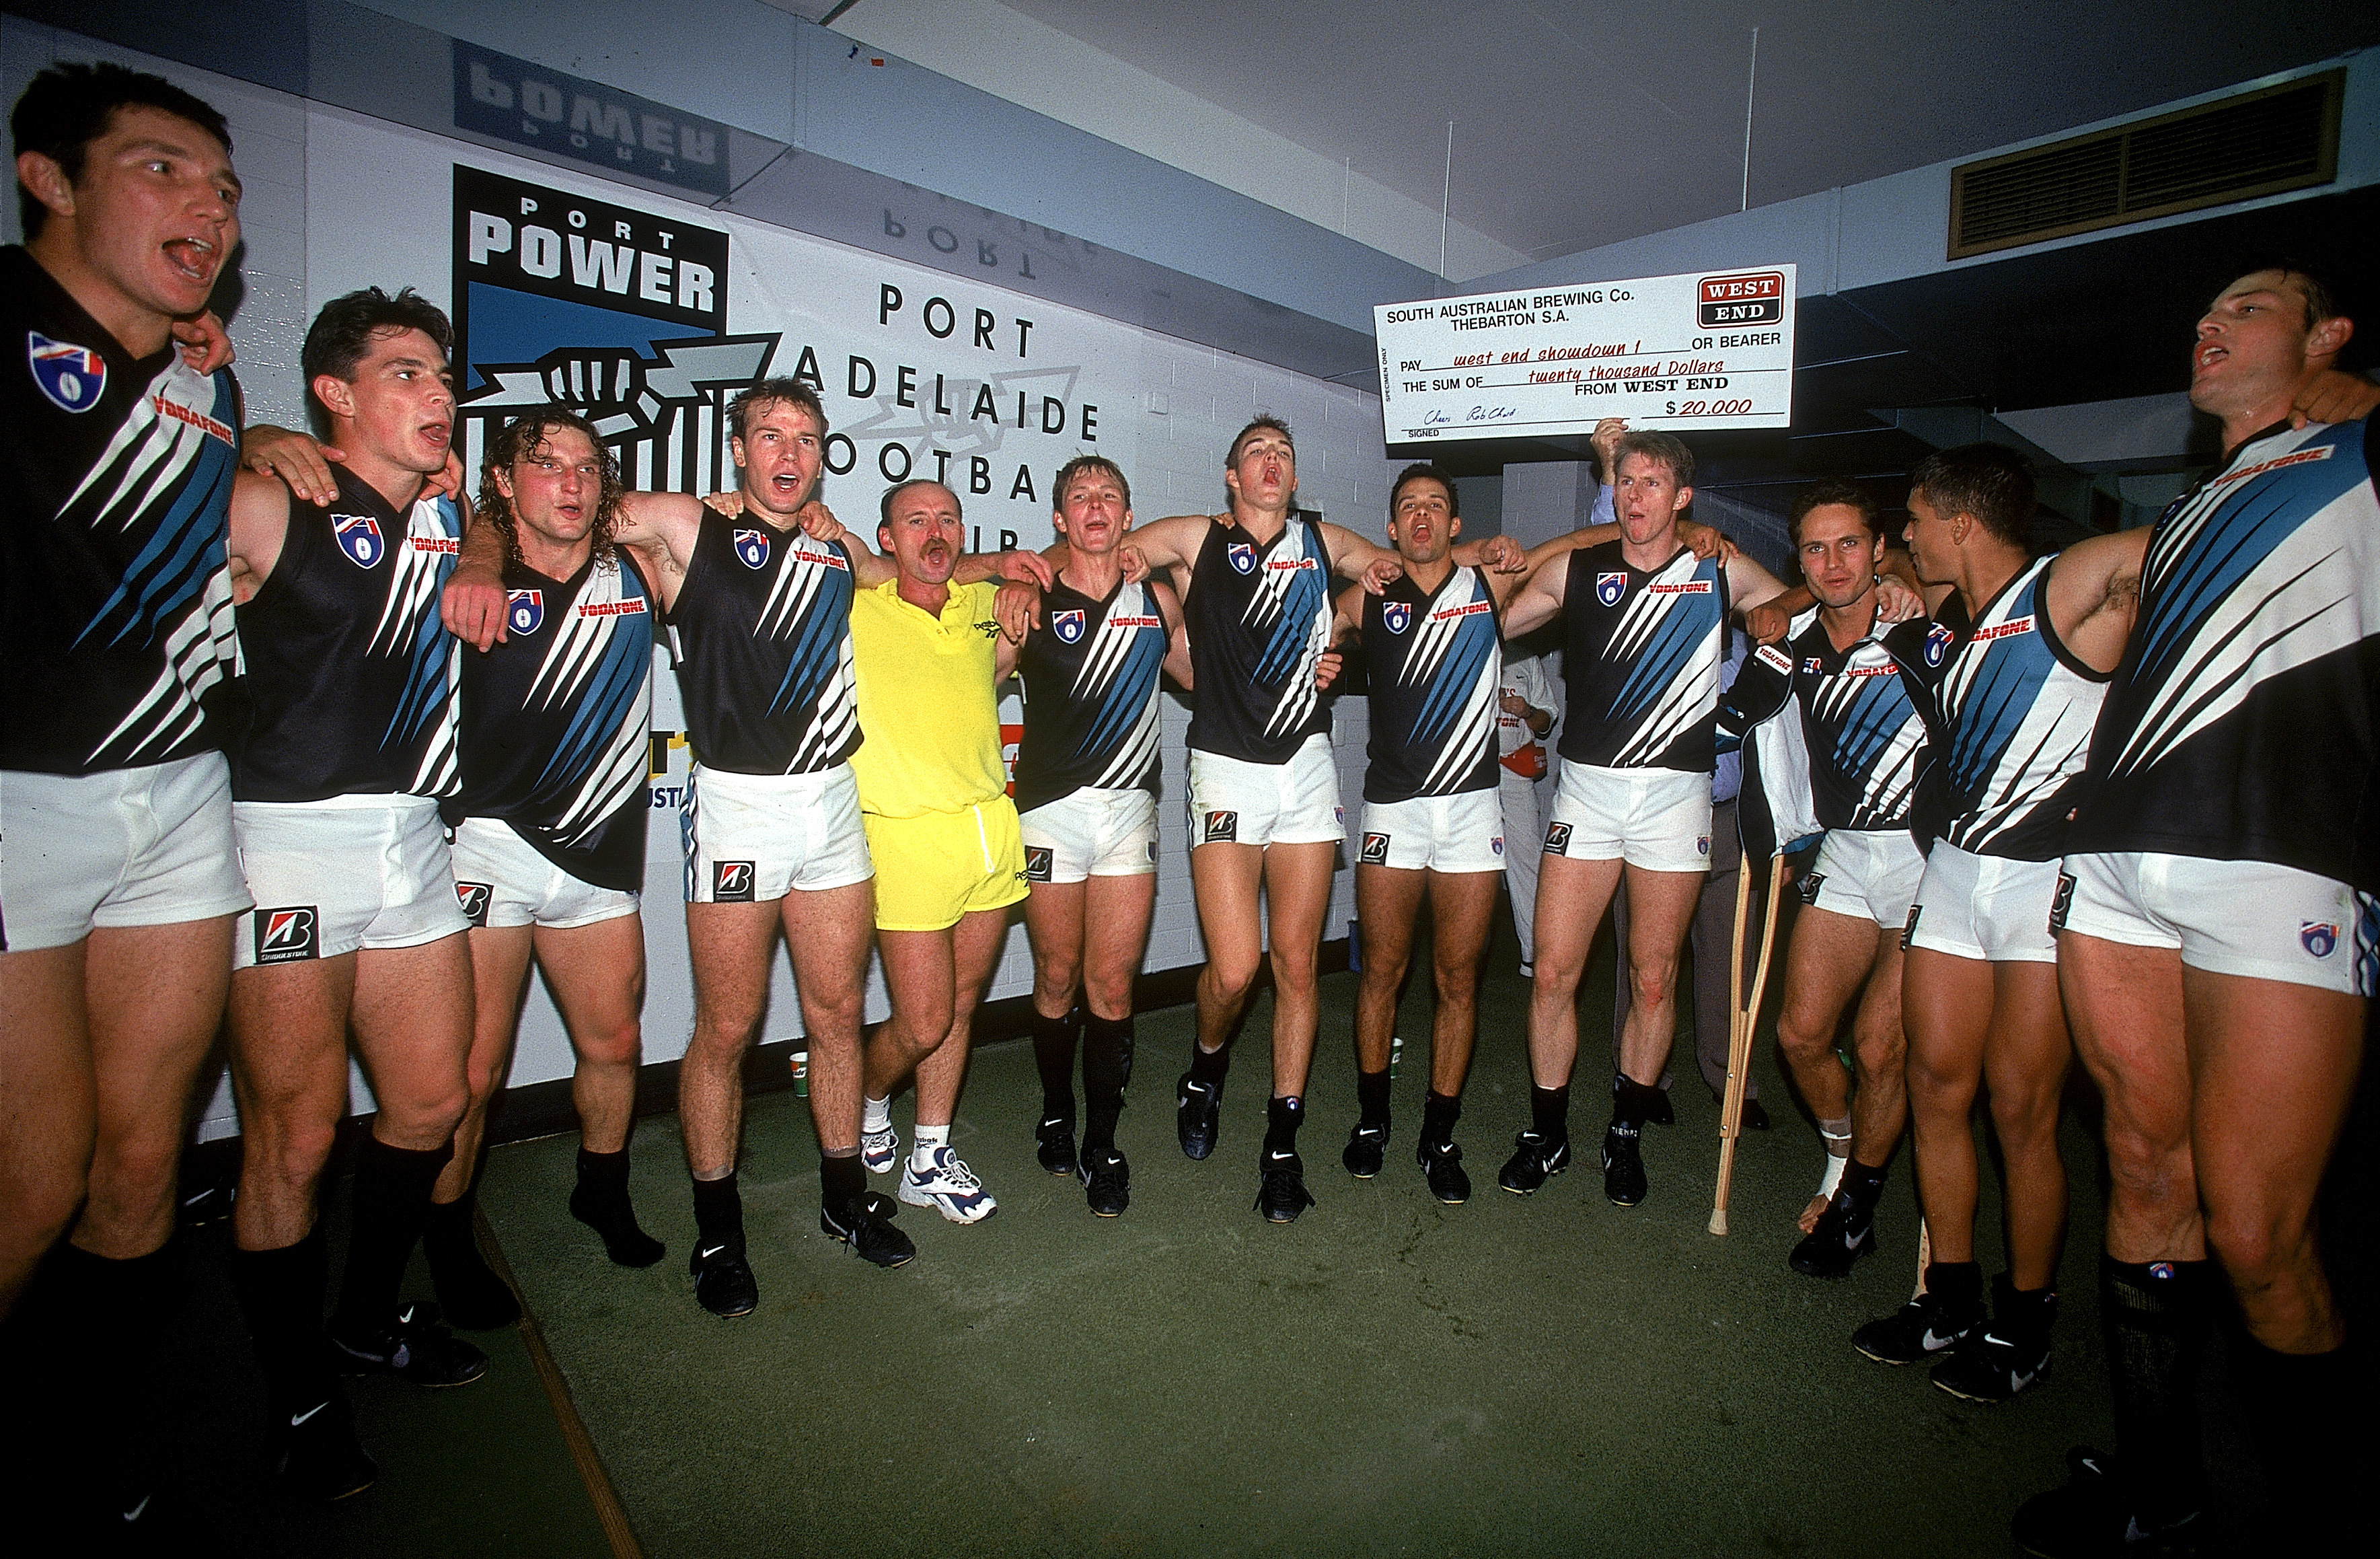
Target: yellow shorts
point(935, 868)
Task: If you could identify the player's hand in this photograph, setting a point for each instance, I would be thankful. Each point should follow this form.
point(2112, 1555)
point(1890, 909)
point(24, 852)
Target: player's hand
point(818, 521)
point(2333, 396)
point(1767, 623)
point(300, 462)
point(1326, 667)
point(1017, 609)
point(1501, 555)
point(1606, 443)
point(1381, 573)
point(1895, 602)
point(473, 605)
point(729, 503)
point(448, 480)
point(1704, 542)
point(204, 343)
point(1513, 704)
point(1024, 567)
point(1135, 562)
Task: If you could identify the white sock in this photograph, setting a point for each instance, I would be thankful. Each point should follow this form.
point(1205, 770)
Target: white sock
point(1838, 1134)
point(876, 1115)
point(921, 1157)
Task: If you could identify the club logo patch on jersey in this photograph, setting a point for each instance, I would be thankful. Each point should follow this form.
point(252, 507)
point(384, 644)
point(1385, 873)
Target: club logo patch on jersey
point(1375, 849)
point(525, 609)
point(1609, 587)
point(1396, 616)
point(1068, 625)
point(1038, 859)
point(1221, 828)
point(1497, 844)
point(73, 377)
point(1701, 844)
point(2321, 938)
point(358, 536)
point(752, 547)
point(474, 897)
point(1557, 838)
point(1242, 556)
point(730, 882)
point(1938, 643)
point(287, 935)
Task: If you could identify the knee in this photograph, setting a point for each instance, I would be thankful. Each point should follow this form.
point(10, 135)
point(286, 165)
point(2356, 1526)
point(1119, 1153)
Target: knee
point(721, 1033)
point(483, 1079)
point(2255, 1250)
point(1055, 980)
point(431, 1113)
point(2026, 1119)
point(138, 1171)
point(1881, 1055)
point(1231, 977)
point(1294, 968)
point(1652, 979)
point(2144, 1172)
point(287, 1152)
point(1109, 995)
point(1800, 1039)
point(1458, 984)
point(619, 1044)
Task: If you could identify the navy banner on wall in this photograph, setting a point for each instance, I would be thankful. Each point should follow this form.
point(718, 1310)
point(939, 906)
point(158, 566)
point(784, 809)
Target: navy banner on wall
point(616, 132)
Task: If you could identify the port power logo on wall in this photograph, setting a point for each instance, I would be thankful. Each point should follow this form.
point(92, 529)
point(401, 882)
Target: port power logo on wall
point(619, 315)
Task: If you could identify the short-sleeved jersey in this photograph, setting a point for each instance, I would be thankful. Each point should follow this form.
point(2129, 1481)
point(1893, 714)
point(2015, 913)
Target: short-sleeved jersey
point(1865, 738)
point(557, 720)
point(928, 699)
point(763, 626)
point(1642, 660)
point(2243, 723)
point(351, 674)
point(115, 615)
point(1433, 660)
point(1090, 674)
point(1259, 619)
point(2008, 712)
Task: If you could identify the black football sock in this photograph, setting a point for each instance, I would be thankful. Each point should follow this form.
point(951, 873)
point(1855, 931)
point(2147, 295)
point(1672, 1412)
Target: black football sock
point(281, 1297)
point(1282, 1117)
point(391, 1198)
point(469, 1293)
point(2157, 1321)
point(1208, 1065)
point(118, 1318)
point(842, 1183)
point(1372, 1098)
point(719, 1213)
point(1549, 1113)
point(1439, 1113)
point(601, 1201)
point(1053, 1056)
point(1107, 1063)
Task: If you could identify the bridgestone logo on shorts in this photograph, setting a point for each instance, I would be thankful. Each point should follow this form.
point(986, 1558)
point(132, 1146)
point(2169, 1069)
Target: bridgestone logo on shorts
point(730, 882)
point(1808, 886)
point(1557, 839)
point(1221, 828)
point(473, 897)
point(1037, 863)
point(1375, 849)
point(287, 935)
point(2061, 903)
point(1910, 929)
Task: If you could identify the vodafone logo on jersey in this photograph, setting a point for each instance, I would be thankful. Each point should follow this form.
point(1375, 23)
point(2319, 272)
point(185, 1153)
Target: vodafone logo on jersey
point(1068, 626)
point(358, 536)
point(1609, 587)
point(752, 548)
point(524, 610)
point(1396, 616)
point(1684, 587)
point(2009, 629)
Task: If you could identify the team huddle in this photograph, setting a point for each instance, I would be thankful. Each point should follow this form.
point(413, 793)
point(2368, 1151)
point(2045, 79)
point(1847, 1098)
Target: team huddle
point(314, 748)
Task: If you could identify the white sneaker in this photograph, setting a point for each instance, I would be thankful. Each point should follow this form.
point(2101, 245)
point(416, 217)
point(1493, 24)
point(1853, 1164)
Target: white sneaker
point(880, 1151)
point(949, 1187)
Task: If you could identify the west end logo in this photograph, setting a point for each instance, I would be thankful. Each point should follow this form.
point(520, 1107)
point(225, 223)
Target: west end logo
point(1609, 587)
point(525, 609)
point(73, 377)
point(1242, 556)
point(1068, 625)
point(753, 548)
point(359, 538)
point(1396, 616)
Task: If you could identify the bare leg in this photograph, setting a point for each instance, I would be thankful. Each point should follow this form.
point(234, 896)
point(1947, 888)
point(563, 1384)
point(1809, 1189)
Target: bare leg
point(1461, 905)
point(1947, 1002)
point(596, 974)
point(2126, 1005)
point(975, 945)
point(1116, 919)
point(826, 936)
point(499, 957)
point(1054, 917)
point(1387, 902)
point(2025, 1060)
point(1828, 957)
point(728, 946)
point(1571, 897)
point(1227, 880)
point(48, 1107)
point(1661, 907)
point(1297, 896)
point(289, 1073)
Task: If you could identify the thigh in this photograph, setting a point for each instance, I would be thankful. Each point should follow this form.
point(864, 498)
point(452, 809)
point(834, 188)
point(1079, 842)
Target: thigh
point(1945, 1002)
point(2275, 1065)
point(1460, 906)
point(921, 976)
point(727, 948)
point(1825, 961)
point(1387, 899)
point(1297, 896)
point(1057, 921)
point(1571, 896)
point(597, 975)
point(2027, 1053)
point(412, 1020)
point(47, 1098)
point(155, 995)
point(2125, 1004)
point(826, 937)
point(500, 958)
point(288, 1037)
point(976, 943)
point(1227, 880)
point(1113, 923)
point(1660, 908)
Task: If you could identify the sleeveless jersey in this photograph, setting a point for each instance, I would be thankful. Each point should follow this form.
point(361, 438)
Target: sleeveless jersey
point(763, 624)
point(1091, 675)
point(351, 674)
point(2243, 723)
point(115, 615)
point(557, 720)
point(1865, 738)
point(1642, 660)
point(1259, 618)
point(1433, 661)
point(2009, 714)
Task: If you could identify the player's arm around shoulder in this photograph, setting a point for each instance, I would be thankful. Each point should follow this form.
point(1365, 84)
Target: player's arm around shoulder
point(1177, 635)
point(1748, 584)
point(2092, 590)
point(260, 507)
point(1538, 597)
point(1171, 545)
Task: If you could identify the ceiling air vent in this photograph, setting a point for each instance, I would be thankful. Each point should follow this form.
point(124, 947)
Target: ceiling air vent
point(2258, 143)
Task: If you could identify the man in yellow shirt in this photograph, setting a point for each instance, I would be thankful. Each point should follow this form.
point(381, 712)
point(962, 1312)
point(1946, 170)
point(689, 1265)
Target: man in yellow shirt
point(941, 830)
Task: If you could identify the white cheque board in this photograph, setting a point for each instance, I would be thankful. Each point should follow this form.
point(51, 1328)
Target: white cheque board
point(1707, 349)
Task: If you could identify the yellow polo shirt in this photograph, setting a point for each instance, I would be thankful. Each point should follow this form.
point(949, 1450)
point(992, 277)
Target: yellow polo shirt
point(926, 701)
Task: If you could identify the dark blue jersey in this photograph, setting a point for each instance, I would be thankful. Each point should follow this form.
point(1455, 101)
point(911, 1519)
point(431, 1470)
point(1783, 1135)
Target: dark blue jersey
point(557, 720)
point(1865, 738)
point(1259, 619)
point(2243, 723)
point(115, 615)
point(1433, 661)
point(763, 625)
point(1091, 675)
point(351, 674)
point(1642, 660)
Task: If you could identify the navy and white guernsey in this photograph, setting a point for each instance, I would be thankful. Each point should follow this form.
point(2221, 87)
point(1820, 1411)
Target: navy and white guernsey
point(1866, 737)
point(1642, 660)
point(557, 720)
point(763, 625)
point(351, 674)
point(115, 615)
point(2243, 723)
point(2008, 712)
point(1091, 675)
point(1433, 660)
point(1259, 619)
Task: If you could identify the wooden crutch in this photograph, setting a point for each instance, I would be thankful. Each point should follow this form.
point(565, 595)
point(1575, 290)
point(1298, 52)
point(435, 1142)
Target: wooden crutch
point(1742, 1021)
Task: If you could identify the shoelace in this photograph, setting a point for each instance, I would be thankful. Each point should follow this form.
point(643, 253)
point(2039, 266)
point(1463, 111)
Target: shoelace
point(954, 1172)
